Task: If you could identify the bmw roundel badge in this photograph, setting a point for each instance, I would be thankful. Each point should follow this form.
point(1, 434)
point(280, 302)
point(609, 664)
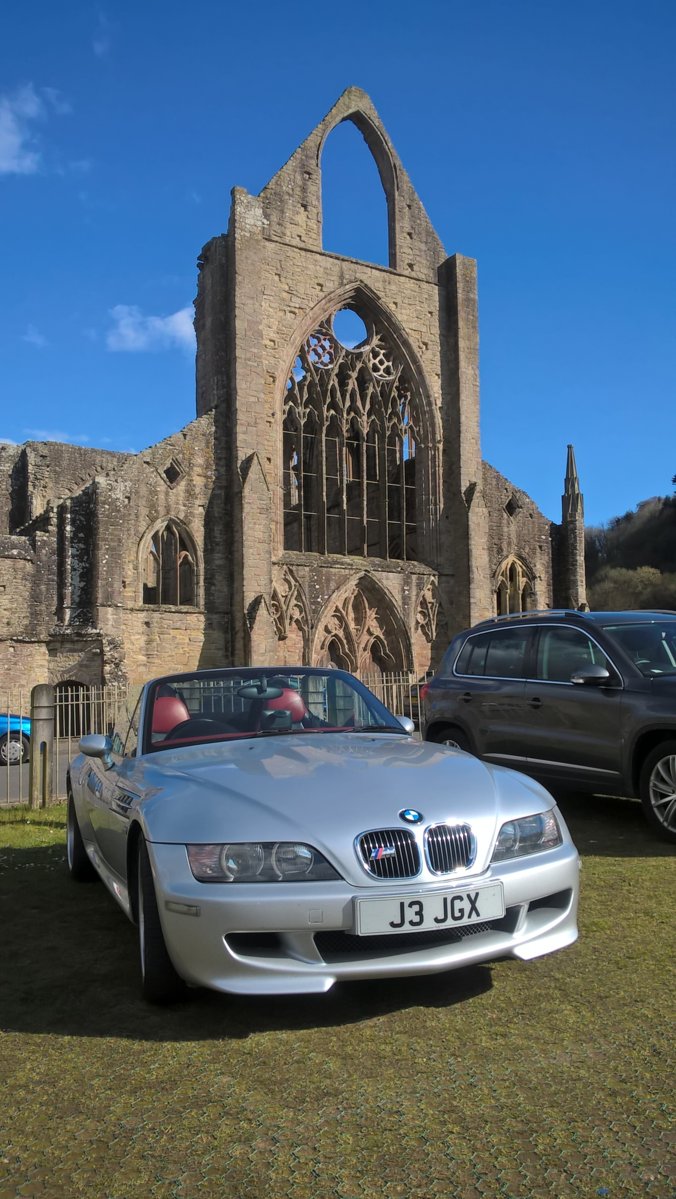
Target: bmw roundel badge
point(411, 816)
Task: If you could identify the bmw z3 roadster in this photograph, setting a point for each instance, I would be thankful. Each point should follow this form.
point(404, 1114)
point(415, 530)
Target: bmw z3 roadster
point(276, 830)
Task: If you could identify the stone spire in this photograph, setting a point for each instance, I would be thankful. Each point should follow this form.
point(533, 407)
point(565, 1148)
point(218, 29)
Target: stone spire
point(572, 503)
point(572, 579)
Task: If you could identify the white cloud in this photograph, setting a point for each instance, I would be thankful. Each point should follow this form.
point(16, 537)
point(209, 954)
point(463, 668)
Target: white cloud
point(20, 152)
point(7, 441)
point(133, 332)
point(57, 101)
point(18, 155)
point(56, 435)
point(35, 338)
point(102, 40)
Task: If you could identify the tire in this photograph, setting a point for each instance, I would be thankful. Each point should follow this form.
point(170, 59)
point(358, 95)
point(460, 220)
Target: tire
point(160, 982)
point(79, 866)
point(658, 789)
point(453, 737)
point(14, 749)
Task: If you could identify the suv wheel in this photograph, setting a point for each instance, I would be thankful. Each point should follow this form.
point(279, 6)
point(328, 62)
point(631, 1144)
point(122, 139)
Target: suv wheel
point(453, 737)
point(658, 788)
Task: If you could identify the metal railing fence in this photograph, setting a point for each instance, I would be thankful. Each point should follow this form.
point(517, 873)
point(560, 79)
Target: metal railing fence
point(15, 710)
point(79, 710)
point(399, 692)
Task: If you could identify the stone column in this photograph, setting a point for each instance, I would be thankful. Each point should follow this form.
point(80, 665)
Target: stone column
point(40, 784)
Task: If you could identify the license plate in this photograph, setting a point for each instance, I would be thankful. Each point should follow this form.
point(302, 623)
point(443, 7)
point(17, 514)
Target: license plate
point(426, 913)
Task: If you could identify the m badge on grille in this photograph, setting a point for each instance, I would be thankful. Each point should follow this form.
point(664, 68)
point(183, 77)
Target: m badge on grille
point(382, 851)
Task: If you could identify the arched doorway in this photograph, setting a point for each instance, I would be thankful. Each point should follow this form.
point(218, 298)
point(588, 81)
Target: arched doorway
point(72, 709)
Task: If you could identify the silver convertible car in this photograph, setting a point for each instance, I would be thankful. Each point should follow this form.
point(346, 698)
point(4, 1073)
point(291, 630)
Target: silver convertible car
point(275, 830)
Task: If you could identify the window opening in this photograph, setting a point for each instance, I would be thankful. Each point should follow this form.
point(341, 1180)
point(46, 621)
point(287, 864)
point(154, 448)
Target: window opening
point(354, 206)
point(349, 329)
point(173, 472)
point(170, 577)
point(349, 448)
point(514, 590)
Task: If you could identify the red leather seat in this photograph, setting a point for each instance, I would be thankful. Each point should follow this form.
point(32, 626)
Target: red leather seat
point(289, 701)
point(168, 711)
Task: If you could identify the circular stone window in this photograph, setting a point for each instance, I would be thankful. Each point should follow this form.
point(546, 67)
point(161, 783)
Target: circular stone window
point(349, 329)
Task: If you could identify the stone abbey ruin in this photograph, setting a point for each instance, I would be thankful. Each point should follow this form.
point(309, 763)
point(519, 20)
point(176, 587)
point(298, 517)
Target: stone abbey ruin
point(329, 503)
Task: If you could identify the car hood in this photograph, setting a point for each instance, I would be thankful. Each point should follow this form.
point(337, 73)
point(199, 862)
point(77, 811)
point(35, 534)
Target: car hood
point(324, 789)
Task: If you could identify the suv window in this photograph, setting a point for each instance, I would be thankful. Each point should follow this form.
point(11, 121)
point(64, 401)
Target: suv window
point(652, 647)
point(500, 653)
point(561, 651)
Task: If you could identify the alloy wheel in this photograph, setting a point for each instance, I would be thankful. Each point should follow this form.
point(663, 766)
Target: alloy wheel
point(662, 790)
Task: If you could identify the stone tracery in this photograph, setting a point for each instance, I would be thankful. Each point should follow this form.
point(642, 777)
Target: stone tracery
point(363, 633)
point(289, 607)
point(514, 591)
point(169, 567)
point(427, 617)
point(351, 431)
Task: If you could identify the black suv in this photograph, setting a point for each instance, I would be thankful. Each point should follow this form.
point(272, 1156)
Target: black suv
point(584, 699)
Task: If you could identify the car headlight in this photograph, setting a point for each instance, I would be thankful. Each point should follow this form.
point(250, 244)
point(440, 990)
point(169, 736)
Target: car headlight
point(259, 862)
point(530, 834)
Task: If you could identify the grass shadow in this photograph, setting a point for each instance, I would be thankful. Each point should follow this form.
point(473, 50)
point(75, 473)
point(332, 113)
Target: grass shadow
point(71, 969)
point(610, 826)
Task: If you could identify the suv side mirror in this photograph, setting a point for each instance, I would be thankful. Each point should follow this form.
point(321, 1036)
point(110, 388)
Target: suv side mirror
point(591, 676)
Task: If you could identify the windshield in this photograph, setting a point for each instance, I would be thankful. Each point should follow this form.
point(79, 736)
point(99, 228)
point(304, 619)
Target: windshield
point(224, 705)
point(651, 645)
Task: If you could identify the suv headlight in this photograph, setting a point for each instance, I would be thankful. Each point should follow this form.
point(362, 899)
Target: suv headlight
point(259, 862)
point(530, 834)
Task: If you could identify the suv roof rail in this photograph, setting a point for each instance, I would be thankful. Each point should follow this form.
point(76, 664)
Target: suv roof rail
point(532, 612)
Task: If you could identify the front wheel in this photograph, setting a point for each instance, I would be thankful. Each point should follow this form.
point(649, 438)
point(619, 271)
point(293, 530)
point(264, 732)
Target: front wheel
point(658, 789)
point(14, 749)
point(159, 981)
point(453, 737)
point(79, 866)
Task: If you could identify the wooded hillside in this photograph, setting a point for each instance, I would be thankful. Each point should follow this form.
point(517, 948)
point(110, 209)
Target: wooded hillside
point(631, 562)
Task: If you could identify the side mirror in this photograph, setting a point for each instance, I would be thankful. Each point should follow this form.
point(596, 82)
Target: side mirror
point(591, 676)
point(406, 724)
point(97, 745)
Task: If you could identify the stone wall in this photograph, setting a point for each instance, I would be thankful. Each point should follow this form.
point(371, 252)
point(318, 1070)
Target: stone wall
point(517, 528)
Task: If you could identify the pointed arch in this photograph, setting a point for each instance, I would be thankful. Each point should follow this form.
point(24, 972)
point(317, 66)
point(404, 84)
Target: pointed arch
point(359, 462)
point(383, 156)
point(360, 625)
point(513, 586)
point(170, 567)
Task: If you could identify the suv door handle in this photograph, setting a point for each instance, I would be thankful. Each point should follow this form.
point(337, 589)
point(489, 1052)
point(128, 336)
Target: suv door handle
point(535, 702)
point(466, 697)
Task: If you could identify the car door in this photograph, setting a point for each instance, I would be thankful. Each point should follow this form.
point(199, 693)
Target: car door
point(574, 729)
point(110, 797)
point(489, 688)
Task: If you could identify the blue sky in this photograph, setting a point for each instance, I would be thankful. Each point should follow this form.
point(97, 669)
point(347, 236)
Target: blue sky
point(539, 136)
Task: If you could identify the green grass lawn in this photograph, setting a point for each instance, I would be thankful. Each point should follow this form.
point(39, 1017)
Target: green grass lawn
point(551, 1078)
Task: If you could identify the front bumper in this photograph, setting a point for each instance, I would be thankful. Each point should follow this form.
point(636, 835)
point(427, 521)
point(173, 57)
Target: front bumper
point(298, 938)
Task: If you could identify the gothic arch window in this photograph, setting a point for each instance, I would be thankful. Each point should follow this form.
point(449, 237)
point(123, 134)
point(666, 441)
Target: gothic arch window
point(354, 203)
point(351, 446)
point(170, 568)
point(513, 588)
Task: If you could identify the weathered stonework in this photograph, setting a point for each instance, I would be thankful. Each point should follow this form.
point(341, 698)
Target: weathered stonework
point(117, 567)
